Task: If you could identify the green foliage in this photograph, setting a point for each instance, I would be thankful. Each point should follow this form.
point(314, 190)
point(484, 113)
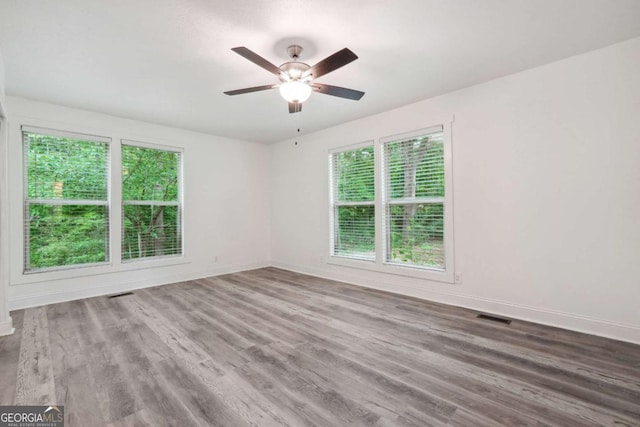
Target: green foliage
point(150, 175)
point(420, 240)
point(419, 160)
point(67, 235)
point(414, 170)
point(355, 232)
point(354, 180)
point(354, 173)
point(150, 231)
point(64, 168)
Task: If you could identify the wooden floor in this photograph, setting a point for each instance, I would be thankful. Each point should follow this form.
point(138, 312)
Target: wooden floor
point(272, 347)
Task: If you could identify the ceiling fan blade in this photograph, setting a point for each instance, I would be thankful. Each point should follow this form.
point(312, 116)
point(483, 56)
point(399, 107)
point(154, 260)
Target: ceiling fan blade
point(257, 59)
point(250, 89)
point(331, 63)
point(295, 107)
point(338, 91)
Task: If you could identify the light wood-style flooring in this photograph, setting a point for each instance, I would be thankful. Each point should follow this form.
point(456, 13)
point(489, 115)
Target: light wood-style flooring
point(271, 347)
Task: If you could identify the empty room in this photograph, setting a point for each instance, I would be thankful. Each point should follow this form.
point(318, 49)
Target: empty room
point(320, 213)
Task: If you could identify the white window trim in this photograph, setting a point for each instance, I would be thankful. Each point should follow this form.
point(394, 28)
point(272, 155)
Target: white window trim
point(380, 265)
point(82, 136)
point(14, 256)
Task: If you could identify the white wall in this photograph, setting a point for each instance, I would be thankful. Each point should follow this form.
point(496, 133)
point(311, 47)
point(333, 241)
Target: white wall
point(546, 194)
point(6, 326)
point(226, 200)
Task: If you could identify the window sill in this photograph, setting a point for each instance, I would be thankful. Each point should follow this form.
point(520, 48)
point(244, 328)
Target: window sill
point(393, 269)
point(26, 278)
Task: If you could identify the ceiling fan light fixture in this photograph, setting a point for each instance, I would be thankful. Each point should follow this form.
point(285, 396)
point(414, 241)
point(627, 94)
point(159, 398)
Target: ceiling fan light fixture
point(295, 91)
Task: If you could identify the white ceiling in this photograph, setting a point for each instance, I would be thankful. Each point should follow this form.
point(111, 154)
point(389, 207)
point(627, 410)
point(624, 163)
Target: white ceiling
point(168, 62)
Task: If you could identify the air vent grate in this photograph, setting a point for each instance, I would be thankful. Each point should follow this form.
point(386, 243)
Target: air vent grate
point(120, 295)
point(494, 318)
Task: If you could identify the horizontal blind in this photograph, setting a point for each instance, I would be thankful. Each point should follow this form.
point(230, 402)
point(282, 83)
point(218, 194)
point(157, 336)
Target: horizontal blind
point(151, 202)
point(353, 173)
point(414, 200)
point(66, 205)
point(353, 200)
point(415, 167)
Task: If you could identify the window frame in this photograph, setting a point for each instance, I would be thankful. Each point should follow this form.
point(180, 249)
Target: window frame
point(179, 200)
point(335, 204)
point(15, 206)
point(388, 201)
point(380, 265)
point(27, 202)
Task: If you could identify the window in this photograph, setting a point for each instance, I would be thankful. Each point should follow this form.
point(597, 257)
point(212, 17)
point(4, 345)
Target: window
point(67, 190)
point(66, 206)
point(353, 203)
point(414, 200)
point(151, 208)
point(408, 178)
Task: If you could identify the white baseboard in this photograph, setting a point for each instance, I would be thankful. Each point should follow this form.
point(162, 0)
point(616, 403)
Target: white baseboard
point(6, 327)
point(70, 295)
point(605, 328)
point(600, 327)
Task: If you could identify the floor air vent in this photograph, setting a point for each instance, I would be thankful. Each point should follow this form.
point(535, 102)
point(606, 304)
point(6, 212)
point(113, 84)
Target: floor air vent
point(494, 318)
point(120, 295)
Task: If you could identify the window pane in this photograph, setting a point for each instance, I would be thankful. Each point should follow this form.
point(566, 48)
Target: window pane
point(66, 235)
point(150, 231)
point(416, 235)
point(61, 168)
point(355, 232)
point(353, 175)
point(415, 167)
point(65, 168)
point(149, 174)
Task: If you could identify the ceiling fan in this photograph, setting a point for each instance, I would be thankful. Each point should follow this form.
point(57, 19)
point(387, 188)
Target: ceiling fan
point(297, 79)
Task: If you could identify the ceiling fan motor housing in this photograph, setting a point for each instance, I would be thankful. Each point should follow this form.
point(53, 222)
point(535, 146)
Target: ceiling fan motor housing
point(293, 71)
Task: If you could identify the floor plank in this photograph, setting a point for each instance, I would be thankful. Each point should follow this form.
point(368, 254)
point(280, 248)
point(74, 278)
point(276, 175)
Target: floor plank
point(35, 381)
